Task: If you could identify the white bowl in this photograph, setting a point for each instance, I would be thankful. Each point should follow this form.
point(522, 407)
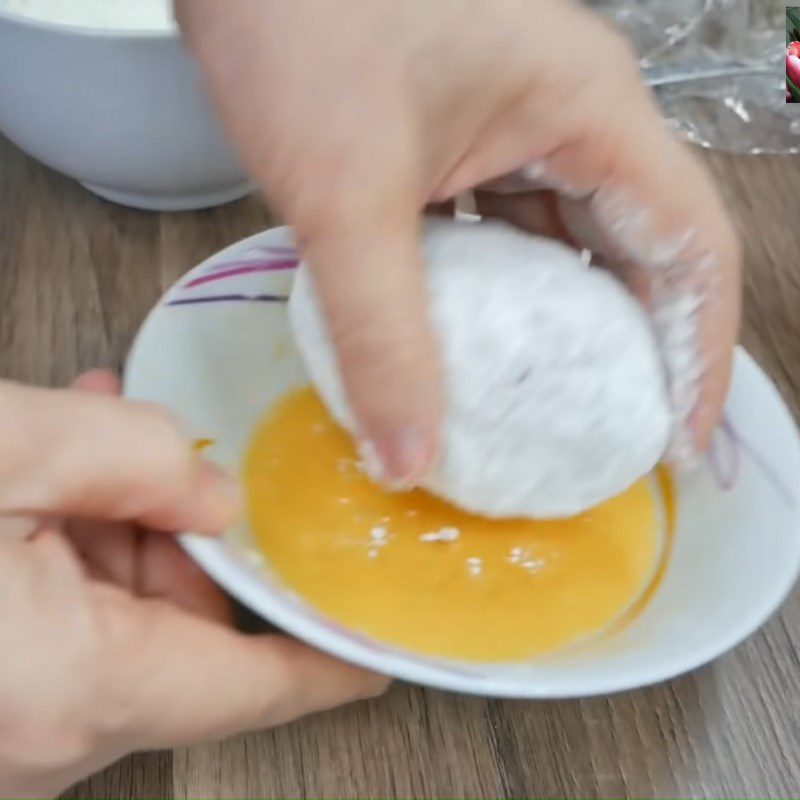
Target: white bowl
point(121, 112)
point(217, 351)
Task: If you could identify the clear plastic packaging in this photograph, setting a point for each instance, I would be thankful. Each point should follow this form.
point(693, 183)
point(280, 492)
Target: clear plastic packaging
point(717, 67)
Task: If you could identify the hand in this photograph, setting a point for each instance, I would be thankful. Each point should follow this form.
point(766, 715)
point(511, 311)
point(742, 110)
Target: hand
point(353, 115)
point(113, 641)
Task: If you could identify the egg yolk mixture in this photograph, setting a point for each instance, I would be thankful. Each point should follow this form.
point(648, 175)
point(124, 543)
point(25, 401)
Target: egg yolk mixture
point(410, 570)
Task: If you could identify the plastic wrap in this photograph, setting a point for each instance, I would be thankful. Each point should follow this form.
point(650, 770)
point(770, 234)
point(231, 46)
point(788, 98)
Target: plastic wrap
point(717, 68)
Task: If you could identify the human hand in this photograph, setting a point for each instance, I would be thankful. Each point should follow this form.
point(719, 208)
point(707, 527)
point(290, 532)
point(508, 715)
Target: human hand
point(353, 115)
point(113, 641)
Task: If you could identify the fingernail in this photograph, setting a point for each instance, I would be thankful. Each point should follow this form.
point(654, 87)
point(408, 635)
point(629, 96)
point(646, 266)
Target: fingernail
point(219, 499)
point(398, 458)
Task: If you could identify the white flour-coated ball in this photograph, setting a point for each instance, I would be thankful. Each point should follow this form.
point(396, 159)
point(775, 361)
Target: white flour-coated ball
point(555, 396)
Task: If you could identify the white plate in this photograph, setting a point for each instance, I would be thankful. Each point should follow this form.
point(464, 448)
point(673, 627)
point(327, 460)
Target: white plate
point(217, 351)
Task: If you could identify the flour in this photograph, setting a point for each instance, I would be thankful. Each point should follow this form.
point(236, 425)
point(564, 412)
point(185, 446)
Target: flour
point(474, 566)
point(144, 15)
point(555, 391)
point(522, 558)
point(379, 535)
point(446, 534)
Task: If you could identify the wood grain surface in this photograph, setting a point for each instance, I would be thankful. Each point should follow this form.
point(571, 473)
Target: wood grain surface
point(77, 276)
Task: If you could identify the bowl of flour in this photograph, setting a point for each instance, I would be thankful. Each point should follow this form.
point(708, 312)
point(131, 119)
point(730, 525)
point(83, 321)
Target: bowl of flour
point(104, 92)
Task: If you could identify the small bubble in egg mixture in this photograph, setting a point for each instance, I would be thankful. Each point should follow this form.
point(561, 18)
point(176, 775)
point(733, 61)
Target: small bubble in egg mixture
point(412, 571)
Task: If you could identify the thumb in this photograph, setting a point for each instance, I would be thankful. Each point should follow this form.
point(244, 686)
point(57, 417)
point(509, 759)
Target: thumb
point(369, 276)
point(91, 455)
point(192, 680)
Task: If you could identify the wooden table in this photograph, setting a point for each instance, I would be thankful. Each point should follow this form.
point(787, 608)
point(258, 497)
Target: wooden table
point(77, 275)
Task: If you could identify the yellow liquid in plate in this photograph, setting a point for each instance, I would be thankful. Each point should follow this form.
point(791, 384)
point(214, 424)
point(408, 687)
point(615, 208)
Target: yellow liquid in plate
point(502, 590)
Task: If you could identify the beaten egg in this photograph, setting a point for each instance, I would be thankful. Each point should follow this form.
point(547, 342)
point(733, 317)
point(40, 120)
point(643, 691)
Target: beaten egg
point(410, 570)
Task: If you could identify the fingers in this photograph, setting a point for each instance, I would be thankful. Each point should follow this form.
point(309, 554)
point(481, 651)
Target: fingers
point(96, 381)
point(190, 680)
point(639, 199)
point(144, 562)
point(664, 217)
point(166, 572)
point(147, 564)
point(661, 221)
point(369, 276)
point(345, 176)
point(108, 550)
point(673, 230)
point(670, 240)
point(89, 455)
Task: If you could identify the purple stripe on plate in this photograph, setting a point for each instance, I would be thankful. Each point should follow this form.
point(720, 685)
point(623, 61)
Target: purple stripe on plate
point(725, 461)
point(229, 298)
point(240, 268)
point(252, 257)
